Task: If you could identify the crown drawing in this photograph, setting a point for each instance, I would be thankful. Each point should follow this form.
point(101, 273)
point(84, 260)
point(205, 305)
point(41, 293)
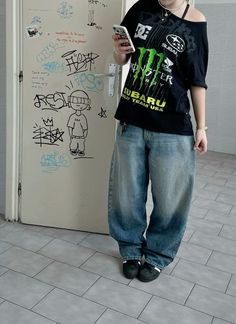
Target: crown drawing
point(48, 122)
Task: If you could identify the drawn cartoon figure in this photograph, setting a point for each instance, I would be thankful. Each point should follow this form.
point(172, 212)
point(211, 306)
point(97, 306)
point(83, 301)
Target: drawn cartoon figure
point(91, 10)
point(77, 123)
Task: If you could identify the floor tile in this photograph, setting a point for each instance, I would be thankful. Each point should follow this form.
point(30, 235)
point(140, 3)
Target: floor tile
point(3, 270)
point(231, 184)
point(197, 212)
point(216, 243)
point(225, 175)
point(24, 261)
point(66, 252)
point(12, 314)
point(4, 246)
point(194, 253)
point(166, 286)
point(199, 184)
point(223, 262)
point(12, 227)
point(66, 308)
point(169, 313)
point(226, 168)
point(232, 286)
point(113, 317)
point(106, 266)
point(219, 321)
point(229, 232)
point(64, 234)
point(202, 194)
point(29, 240)
point(119, 297)
point(227, 199)
point(233, 211)
point(101, 243)
point(220, 189)
point(67, 277)
point(213, 205)
point(204, 226)
point(221, 181)
point(22, 290)
point(228, 219)
point(202, 275)
point(188, 234)
point(2, 223)
point(214, 303)
point(205, 172)
point(35, 228)
point(171, 266)
point(2, 220)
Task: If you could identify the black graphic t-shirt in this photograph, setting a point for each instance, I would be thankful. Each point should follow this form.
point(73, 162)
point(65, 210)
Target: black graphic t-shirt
point(171, 55)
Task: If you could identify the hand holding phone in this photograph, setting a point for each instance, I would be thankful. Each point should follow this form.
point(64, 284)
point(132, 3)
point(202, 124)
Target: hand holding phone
point(123, 33)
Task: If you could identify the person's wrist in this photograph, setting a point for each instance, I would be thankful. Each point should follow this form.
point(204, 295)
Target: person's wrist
point(201, 127)
point(115, 51)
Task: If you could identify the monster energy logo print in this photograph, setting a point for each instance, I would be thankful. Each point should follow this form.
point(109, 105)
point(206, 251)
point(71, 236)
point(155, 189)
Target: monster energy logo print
point(148, 66)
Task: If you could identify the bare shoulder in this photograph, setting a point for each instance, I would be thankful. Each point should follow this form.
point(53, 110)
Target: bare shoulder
point(195, 15)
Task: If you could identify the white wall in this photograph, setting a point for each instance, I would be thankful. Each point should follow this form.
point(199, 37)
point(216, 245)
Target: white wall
point(2, 106)
point(221, 78)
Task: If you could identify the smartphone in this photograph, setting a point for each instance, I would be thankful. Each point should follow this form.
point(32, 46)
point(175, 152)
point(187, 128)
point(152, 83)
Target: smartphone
point(123, 33)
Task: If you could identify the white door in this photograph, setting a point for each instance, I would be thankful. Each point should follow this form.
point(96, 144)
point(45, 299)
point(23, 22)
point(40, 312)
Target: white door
point(68, 105)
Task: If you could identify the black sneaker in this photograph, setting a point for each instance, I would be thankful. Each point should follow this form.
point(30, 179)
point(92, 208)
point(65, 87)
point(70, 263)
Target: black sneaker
point(148, 272)
point(131, 268)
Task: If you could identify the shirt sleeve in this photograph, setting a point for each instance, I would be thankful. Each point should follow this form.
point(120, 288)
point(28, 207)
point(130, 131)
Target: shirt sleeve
point(198, 59)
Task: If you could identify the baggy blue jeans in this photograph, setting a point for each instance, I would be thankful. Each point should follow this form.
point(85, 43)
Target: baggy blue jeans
point(168, 161)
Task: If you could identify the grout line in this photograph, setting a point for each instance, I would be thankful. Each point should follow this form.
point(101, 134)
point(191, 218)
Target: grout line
point(88, 234)
point(85, 261)
point(194, 285)
point(28, 310)
point(101, 315)
point(229, 284)
point(10, 247)
point(171, 272)
point(42, 247)
point(151, 297)
point(50, 263)
point(44, 297)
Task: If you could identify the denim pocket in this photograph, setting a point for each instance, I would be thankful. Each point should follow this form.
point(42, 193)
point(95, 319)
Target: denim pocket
point(121, 128)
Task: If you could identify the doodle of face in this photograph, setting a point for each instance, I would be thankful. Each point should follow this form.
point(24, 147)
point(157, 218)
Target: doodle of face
point(79, 100)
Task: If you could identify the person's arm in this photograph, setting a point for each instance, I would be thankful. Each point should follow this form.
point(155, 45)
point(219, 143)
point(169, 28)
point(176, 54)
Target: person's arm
point(121, 53)
point(198, 95)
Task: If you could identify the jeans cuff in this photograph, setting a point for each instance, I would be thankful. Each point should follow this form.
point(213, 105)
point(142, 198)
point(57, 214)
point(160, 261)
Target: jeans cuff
point(153, 263)
point(126, 258)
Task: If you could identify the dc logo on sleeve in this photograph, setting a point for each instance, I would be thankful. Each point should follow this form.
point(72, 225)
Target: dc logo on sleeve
point(142, 31)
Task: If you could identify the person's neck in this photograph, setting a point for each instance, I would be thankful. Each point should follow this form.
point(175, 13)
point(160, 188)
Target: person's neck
point(173, 7)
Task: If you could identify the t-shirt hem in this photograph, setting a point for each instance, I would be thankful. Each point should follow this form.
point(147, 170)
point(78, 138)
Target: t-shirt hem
point(157, 129)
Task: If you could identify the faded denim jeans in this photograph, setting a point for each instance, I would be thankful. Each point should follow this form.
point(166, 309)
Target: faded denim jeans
point(168, 162)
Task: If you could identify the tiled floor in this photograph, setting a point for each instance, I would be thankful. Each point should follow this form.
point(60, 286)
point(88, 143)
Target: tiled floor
point(58, 276)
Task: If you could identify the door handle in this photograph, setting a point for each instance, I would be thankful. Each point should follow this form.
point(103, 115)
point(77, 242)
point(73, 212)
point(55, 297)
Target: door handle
point(112, 78)
point(105, 74)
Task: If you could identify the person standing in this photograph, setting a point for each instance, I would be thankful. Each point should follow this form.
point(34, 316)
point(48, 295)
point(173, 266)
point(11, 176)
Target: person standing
point(155, 140)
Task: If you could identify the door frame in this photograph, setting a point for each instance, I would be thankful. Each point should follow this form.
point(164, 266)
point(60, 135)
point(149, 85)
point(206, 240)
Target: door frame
point(14, 106)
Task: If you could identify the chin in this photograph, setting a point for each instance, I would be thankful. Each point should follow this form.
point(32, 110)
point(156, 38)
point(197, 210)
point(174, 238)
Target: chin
point(168, 2)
